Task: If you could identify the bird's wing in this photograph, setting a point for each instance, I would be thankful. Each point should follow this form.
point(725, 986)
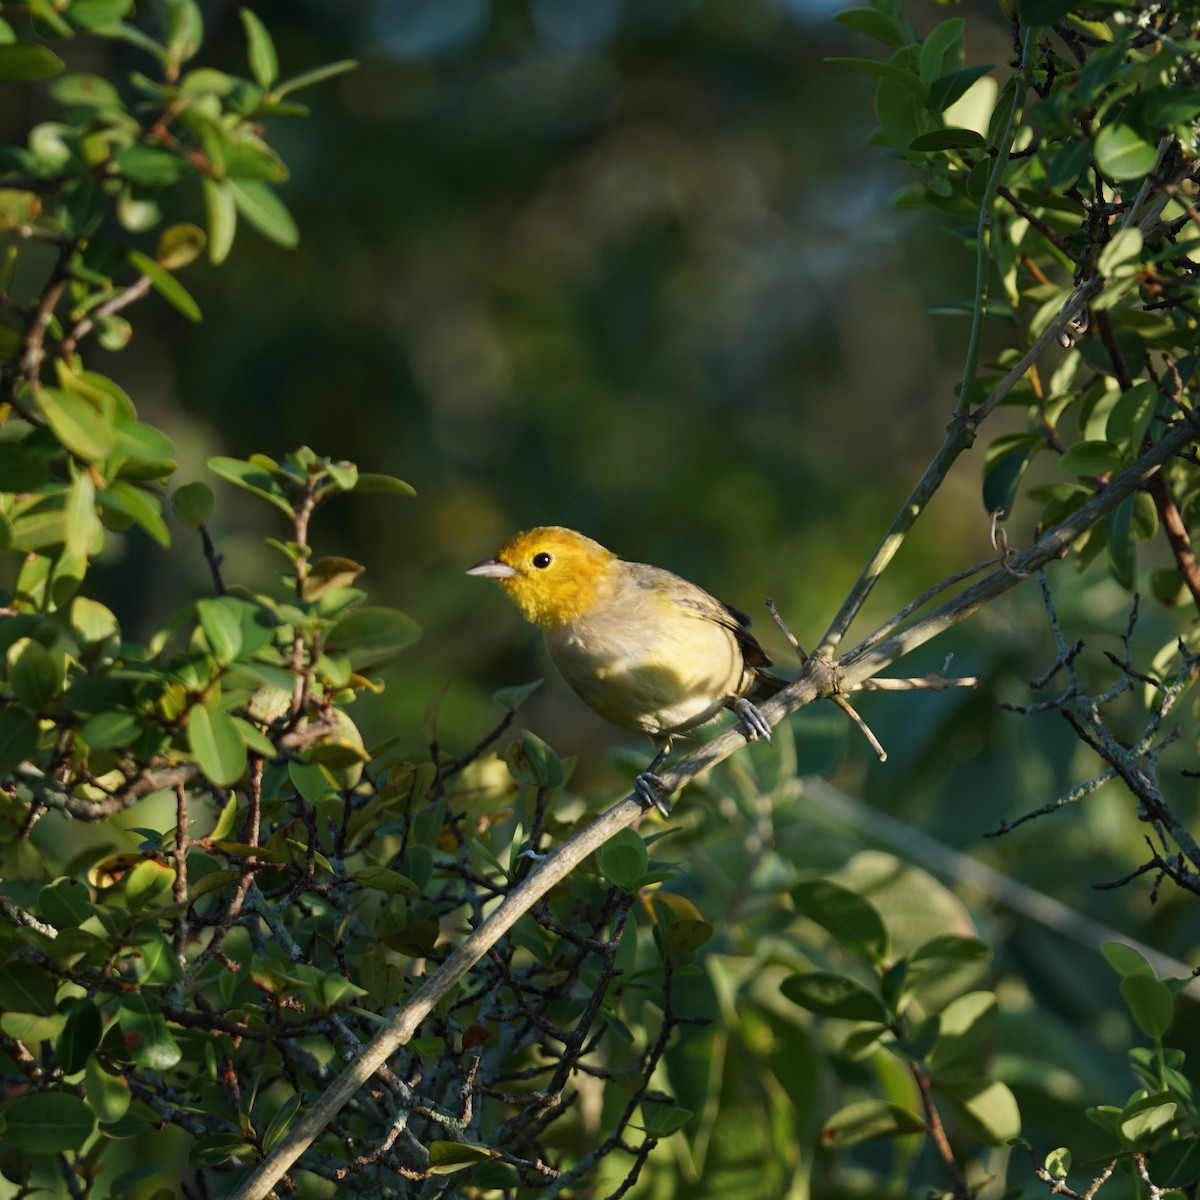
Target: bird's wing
point(695, 599)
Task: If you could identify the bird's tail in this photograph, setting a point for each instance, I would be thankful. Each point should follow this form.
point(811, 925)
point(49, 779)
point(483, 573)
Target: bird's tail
point(766, 684)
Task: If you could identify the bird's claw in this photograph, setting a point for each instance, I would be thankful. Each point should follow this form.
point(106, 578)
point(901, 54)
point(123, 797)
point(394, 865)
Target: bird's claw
point(652, 791)
point(754, 724)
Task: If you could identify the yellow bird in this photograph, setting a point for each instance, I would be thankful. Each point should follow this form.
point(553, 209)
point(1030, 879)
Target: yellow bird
point(646, 649)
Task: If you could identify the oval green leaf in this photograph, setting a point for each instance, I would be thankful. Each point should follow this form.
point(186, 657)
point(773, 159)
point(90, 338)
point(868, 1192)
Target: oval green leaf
point(217, 745)
point(830, 995)
point(623, 859)
point(48, 1123)
point(853, 921)
point(372, 637)
point(1150, 1002)
point(77, 424)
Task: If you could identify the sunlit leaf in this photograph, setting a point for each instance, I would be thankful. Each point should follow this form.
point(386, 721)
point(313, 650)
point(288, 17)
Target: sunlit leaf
point(216, 744)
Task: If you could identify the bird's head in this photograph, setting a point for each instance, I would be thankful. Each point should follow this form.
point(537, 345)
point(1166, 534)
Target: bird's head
point(553, 574)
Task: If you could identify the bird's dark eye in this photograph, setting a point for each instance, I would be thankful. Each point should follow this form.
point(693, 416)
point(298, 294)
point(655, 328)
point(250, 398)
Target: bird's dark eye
point(542, 560)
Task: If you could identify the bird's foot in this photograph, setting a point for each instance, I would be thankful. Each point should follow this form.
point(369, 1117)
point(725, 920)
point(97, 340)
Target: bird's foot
point(754, 724)
point(652, 791)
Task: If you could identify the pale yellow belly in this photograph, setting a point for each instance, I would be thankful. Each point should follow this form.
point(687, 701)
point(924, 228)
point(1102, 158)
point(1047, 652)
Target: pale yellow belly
point(661, 680)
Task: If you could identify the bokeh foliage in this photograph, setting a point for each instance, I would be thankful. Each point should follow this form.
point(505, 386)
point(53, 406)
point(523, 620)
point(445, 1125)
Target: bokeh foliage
point(557, 306)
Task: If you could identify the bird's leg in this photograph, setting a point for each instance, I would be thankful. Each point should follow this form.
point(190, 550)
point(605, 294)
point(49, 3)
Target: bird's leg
point(649, 788)
point(754, 724)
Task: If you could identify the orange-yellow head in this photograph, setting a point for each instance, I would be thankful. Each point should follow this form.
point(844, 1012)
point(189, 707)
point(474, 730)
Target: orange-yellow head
point(554, 575)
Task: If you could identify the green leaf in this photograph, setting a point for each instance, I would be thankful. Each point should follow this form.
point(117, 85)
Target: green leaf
point(146, 453)
point(531, 761)
point(949, 88)
point(26, 988)
point(1091, 458)
point(77, 424)
point(1058, 1162)
point(100, 16)
point(107, 1095)
point(1147, 1115)
point(1150, 1002)
point(221, 208)
point(254, 478)
point(1122, 152)
point(185, 31)
point(48, 1122)
point(281, 1122)
point(447, 1157)
point(221, 620)
point(387, 484)
point(179, 245)
point(1124, 247)
point(830, 995)
point(1007, 459)
point(948, 139)
point(660, 1119)
point(986, 1107)
point(265, 211)
point(315, 76)
point(372, 637)
point(148, 1041)
point(193, 504)
point(91, 622)
point(80, 1035)
point(166, 285)
point(86, 91)
point(1126, 959)
point(148, 883)
point(32, 673)
point(260, 50)
point(82, 523)
point(383, 879)
point(150, 166)
point(942, 49)
point(873, 23)
point(18, 208)
point(112, 728)
point(18, 737)
point(867, 1120)
point(951, 946)
point(854, 922)
point(26, 1027)
point(682, 938)
point(514, 697)
point(23, 62)
point(1118, 533)
point(1129, 419)
point(623, 859)
point(139, 505)
point(219, 1148)
point(1068, 164)
point(963, 1027)
point(65, 903)
point(328, 574)
point(216, 744)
